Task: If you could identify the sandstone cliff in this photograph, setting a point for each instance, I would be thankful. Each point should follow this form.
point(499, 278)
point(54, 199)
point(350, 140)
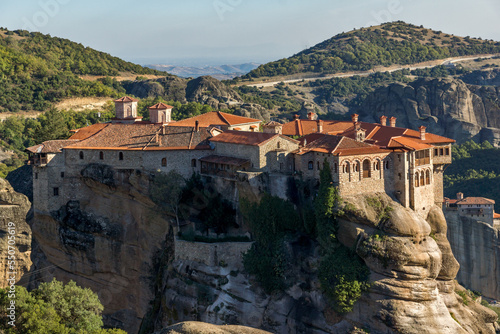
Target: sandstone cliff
point(115, 241)
point(476, 245)
point(412, 270)
point(446, 106)
point(108, 241)
point(13, 209)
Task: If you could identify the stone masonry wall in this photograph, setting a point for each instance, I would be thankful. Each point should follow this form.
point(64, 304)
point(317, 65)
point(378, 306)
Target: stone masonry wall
point(216, 254)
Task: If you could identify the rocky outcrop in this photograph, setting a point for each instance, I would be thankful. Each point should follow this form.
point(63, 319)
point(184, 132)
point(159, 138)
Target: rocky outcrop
point(108, 239)
point(21, 180)
point(194, 327)
point(207, 90)
point(476, 246)
point(446, 106)
point(489, 77)
point(412, 274)
point(14, 208)
point(170, 88)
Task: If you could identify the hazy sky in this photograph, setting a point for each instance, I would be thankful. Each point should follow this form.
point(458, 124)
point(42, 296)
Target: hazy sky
point(233, 31)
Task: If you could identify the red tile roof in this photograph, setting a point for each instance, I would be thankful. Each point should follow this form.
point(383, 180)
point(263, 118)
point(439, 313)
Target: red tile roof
point(160, 106)
point(146, 137)
point(216, 118)
point(383, 136)
point(475, 200)
point(247, 138)
point(88, 131)
point(126, 99)
point(337, 145)
point(496, 215)
point(51, 146)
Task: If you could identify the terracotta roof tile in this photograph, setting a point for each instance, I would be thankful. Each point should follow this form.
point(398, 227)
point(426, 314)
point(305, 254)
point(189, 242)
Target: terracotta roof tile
point(337, 145)
point(216, 118)
point(51, 146)
point(475, 200)
point(377, 134)
point(496, 215)
point(88, 131)
point(160, 106)
point(244, 137)
point(144, 136)
point(126, 99)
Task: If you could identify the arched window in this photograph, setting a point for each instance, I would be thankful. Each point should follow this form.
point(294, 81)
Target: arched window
point(347, 168)
point(422, 178)
point(120, 156)
point(387, 164)
point(310, 165)
point(417, 179)
point(81, 155)
point(427, 177)
point(164, 162)
point(193, 163)
point(356, 166)
point(335, 168)
point(366, 169)
point(101, 155)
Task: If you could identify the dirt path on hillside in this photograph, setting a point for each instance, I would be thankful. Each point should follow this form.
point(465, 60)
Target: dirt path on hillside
point(393, 68)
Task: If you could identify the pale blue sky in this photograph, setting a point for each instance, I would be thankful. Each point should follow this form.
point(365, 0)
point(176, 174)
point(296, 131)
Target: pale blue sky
point(233, 31)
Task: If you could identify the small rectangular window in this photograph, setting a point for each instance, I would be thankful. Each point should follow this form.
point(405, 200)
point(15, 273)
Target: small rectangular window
point(36, 176)
point(447, 151)
point(435, 152)
point(56, 191)
point(62, 174)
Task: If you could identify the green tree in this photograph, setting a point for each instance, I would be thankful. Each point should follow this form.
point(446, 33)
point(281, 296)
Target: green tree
point(53, 126)
point(166, 191)
point(54, 308)
point(325, 205)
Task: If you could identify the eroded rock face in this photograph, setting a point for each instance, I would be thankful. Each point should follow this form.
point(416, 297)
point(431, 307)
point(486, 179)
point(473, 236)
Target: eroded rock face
point(476, 246)
point(194, 327)
point(13, 210)
point(446, 106)
point(107, 240)
point(412, 272)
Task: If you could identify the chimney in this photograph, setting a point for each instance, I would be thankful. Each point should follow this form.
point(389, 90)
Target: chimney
point(311, 116)
point(197, 126)
point(460, 196)
point(355, 118)
point(296, 116)
point(357, 126)
point(320, 126)
point(422, 132)
point(383, 120)
point(393, 121)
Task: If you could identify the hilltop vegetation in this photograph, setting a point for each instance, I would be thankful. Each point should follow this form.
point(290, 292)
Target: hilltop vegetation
point(363, 49)
point(475, 171)
point(37, 70)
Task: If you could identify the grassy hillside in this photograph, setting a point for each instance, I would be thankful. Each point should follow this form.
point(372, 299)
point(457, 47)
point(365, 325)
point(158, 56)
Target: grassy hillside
point(37, 70)
point(475, 171)
point(387, 44)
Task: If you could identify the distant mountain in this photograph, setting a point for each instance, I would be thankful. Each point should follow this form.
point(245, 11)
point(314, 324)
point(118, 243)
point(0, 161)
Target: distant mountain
point(387, 44)
point(221, 72)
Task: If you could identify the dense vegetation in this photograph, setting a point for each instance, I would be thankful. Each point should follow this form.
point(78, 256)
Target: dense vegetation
point(363, 49)
point(37, 70)
point(475, 171)
point(53, 308)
